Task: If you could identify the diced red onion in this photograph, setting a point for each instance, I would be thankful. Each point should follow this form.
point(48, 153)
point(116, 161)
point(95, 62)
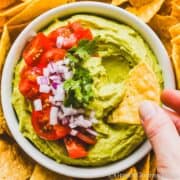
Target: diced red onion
point(73, 132)
point(69, 111)
point(42, 80)
point(44, 88)
point(66, 61)
point(59, 41)
point(64, 121)
point(94, 133)
point(46, 72)
point(68, 75)
point(82, 122)
point(52, 67)
point(53, 116)
point(72, 125)
point(60, 93)
point(37, 105)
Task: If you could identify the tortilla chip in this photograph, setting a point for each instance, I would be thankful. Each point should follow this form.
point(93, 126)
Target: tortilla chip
point(174, 30)
point(138, 89)
point(14, 164)
point(152, 167)
point(139, 3)
point(2, 21)
point(147, 11)
point(176, 10)
point(166, 8)
point(6, 3)
point(40, 173)
point(161, 25)
point(124, 175)
point(14, 10)
point(4, 47)
point(34, 9)
point(118, 2)
point(144, 169)
point(176, 58)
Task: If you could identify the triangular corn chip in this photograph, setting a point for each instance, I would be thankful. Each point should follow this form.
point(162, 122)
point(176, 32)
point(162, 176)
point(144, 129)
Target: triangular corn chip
point(176, 57)
point(118, 2)
point(6, 3)
point(40, 173)
point(147, 11)
point(175, 30)
point(34, 9)
point(141, 85)
point(14, 164)
point(139, 3)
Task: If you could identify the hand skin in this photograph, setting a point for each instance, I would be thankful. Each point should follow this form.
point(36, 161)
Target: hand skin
point(162, 127)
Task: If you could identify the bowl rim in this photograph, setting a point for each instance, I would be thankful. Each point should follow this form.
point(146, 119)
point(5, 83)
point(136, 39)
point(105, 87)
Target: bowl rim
point(41, 21)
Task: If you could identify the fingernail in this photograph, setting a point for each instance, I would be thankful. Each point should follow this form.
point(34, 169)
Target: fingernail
point(147, 110)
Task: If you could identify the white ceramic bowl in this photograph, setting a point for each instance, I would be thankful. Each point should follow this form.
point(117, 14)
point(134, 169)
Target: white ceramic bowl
point(100, 9)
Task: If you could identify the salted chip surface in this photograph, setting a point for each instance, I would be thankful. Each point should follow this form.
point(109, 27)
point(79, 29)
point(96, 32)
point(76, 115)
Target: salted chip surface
point(6, 3)
point(40, 173)
point(141, 85)
point(175, 30)
point(176, 9)
point(161, 25)
point(131, 173)
point(139, 3)
point(118, 2)
point(14, 10)
point(144, 172)
point(14, 164)
point(147, 11)
point(34, 9)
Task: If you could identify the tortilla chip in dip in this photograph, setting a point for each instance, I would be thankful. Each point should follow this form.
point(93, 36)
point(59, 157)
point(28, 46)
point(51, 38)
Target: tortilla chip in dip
point(35, 8)
point(40, 173)
point(141, 85)
point(14, 164)
point(147, 11)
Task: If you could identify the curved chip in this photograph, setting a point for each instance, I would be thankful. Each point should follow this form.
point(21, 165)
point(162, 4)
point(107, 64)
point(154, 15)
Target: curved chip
point(175, 30)
point(34, 9)
point(176, 57)
point(14, 164)
point(6, 3)
point(141, 85)
point(118, 2)
point(40, 173)
point(139, 3)
point(147, 11)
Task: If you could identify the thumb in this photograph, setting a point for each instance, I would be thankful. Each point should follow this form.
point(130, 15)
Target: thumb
point(160, 130)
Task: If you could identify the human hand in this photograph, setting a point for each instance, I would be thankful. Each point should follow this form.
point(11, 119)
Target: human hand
point(162, 127)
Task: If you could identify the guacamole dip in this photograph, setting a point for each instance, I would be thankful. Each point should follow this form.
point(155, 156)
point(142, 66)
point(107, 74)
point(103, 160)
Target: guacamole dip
point(120, 48)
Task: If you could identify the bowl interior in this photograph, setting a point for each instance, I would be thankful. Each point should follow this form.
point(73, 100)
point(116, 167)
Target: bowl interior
point(101, 9)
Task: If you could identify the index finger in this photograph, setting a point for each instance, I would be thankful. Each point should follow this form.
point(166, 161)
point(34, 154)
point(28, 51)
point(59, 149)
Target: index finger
point(171, 98)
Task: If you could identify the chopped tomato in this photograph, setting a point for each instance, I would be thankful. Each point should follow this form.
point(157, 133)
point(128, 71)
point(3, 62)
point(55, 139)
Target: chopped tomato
point(31, 73)
point(29, 89)
point(28, 85)
point(87, 139)
point(35, 48)
point(74, 148)
point(70, 41)
point(80, 32)
point(53, 54)
point(62, 31)
point(46, 131)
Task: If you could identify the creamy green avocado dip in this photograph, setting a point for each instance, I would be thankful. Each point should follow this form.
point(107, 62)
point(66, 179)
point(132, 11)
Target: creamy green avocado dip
point(120, 49)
